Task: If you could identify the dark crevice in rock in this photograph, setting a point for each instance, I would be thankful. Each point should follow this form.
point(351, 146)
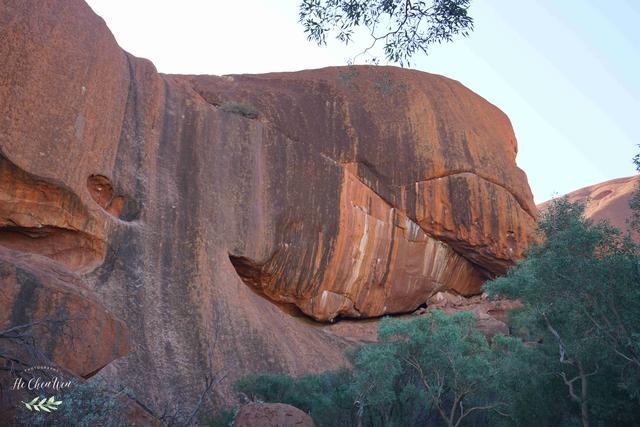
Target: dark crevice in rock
point(488, 179)
point(103, 193)
point(249, 271)
point(77, 250)
point(251, 274)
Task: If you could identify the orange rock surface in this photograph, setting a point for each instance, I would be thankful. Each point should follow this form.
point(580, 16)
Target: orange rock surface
point(184, 201)
point(39, 217)
point(70, 328)
point(428, 193)
point(607, 200)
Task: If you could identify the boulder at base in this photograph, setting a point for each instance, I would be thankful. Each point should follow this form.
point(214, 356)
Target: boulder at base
point(271, 415)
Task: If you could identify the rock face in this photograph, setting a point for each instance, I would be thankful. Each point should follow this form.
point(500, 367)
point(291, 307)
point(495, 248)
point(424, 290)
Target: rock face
point(608, 200)
point(71, 327)
point(39, 217)
point(425, 193)
point(191, 204)
point(49, 317)
point(271, 415)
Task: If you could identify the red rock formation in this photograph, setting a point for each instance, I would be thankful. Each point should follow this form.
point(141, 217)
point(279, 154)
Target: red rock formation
point(71, 328)
point(449, 178)
point(48, 317)
point(383, 262)
point(271, 415)
point(39, 217)
point(608, 200)
point(353, 191)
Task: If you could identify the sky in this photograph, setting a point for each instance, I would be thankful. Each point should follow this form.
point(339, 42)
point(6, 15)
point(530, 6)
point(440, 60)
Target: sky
point(567, 73)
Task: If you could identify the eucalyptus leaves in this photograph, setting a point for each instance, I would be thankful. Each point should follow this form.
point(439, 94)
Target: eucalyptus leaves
point(45, 405)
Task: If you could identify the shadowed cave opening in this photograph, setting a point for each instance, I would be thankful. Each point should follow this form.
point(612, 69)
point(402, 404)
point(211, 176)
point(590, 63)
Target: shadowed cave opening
point(251, 273)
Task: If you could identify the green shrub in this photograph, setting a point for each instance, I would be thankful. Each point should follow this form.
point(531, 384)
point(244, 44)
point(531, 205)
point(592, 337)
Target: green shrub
point(395, 382)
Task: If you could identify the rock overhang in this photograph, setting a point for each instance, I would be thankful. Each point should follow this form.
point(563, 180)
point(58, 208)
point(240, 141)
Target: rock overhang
point(458, 187)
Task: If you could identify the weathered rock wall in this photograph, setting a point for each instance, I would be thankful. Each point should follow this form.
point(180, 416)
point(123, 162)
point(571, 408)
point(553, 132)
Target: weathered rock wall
point(354, 191)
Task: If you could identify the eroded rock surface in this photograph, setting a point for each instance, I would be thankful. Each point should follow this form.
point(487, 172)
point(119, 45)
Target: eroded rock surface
point(64, 321)
point(340, 192)
point(420, 190)
point(40, 217)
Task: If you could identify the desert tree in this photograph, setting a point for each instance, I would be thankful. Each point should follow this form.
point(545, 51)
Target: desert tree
point(453, 363)
point(580, 288)
point(404, 27)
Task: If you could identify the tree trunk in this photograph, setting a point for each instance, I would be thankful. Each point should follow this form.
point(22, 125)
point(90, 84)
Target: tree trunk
point(584, 409)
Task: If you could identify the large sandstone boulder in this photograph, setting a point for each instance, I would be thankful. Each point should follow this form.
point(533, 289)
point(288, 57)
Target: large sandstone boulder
point(414, 189)
point(52, 305)
point(210, 212)
point(48, 317)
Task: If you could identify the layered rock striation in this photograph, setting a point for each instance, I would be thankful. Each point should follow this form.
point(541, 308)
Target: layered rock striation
point(189, 205)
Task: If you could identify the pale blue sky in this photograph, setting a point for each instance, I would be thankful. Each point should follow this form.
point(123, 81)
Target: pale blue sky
point(565, 71)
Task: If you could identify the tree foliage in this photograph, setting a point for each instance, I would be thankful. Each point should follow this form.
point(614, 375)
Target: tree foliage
point(406, 27)
point(635, 201)
point(423, 371)
point(447, 360)
point(581, 295)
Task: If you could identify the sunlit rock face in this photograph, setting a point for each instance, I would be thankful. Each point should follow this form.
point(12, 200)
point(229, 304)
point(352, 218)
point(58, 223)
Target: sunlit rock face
point(382, 186)
point(207, 212)
point(380, 262)
point(607, 200)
